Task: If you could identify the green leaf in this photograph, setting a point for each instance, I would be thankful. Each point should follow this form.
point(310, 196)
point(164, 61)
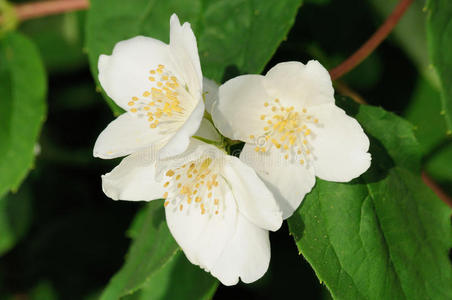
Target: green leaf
point(152, 247)
point(234, 36)
point(22, 107)
point(242, 34)
point(438, 166)
point(15, 218)
point(385, 235)
point(439, 36)
point(178, 279)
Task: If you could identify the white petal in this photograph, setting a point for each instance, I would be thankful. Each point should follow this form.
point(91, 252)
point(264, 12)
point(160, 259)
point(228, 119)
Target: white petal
point(133, 179)
point(300, 85)
point(253, 198)
point(237, 112)
point(185, 55)
point(247, 255)
point(210, 93)
point(127, 134)
point(196, 150)
point(339, 145)
point(288, 181)
point(202, 237)
point(125, 73)
point(208, 132)
point(179, 142)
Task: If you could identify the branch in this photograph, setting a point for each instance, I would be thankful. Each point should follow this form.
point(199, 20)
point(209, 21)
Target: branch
point(368, 47)
point(435, 188)
point(46, 8)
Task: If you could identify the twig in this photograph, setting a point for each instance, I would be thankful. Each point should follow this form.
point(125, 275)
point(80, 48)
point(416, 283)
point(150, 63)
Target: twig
point(345, 90)
point(368, 47)
point(435, 188)
point(33, 10)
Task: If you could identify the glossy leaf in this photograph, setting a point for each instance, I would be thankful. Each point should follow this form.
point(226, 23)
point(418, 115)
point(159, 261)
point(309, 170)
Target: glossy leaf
point(385, 235)
point(22, 107)
point(152, 247)
point(234, 36)
point(439, 36)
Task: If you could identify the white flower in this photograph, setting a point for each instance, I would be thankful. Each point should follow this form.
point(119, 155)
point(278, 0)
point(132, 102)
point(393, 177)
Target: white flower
point(217, 208)
point(159, 86)
point(292, 129)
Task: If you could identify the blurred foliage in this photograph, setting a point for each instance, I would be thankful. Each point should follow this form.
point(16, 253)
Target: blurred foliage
point(60, 40)
point(439, 34)
point(62, 238)
point(410, 34)
point(15, 218)
point(423, 111)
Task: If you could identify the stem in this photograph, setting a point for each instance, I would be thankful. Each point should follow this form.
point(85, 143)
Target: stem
point(368, 47)
point(45, 8)
point(435, 188)
point(345, 90)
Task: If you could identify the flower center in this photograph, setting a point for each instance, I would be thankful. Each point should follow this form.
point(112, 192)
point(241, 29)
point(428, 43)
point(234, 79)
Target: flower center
point(161, 102)
point(287, 130)
point(194, 185)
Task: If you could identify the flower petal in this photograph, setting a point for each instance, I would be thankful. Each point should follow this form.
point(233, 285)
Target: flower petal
point(179, 141)
point(127, 134)
point(202, 237)
point(237, 112)
point(125, 73)
point(288, 181)
point(133, 179)
point(300, 85)
point(253, 198)
point(210, 93)
point(185, 55)
point(339, 145)
point(196, 150)
point(246, 255)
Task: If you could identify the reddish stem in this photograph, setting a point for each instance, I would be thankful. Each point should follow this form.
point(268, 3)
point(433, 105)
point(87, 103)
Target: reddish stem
point(367, 48)
point(435, 188)
point(45, 8)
